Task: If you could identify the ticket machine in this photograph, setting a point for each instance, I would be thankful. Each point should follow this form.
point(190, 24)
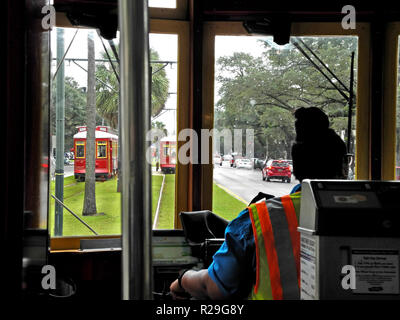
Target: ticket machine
point(350, 239)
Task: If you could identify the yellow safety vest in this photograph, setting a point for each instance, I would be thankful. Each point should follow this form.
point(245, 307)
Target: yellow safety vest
point(277, 243)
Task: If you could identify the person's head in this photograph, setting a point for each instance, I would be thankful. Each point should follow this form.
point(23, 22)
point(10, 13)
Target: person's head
point(318, 153)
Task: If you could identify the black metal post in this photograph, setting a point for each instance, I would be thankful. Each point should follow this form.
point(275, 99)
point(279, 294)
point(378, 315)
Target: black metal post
point(60, 123)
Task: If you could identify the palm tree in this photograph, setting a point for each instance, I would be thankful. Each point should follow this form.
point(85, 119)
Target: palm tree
point(161, 126)
point(108, 89)
point(89, 205)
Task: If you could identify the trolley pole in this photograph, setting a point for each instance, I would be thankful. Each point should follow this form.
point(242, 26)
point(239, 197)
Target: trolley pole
point(60, 116)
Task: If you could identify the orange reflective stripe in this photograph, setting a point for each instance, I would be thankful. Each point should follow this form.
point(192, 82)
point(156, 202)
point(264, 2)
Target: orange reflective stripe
point(270, 250)
point(294, 234)
point(257, 250)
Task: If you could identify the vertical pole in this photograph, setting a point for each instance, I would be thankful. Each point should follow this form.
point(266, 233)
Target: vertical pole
point(351, 98)
point(60, 113)
point(136, 183)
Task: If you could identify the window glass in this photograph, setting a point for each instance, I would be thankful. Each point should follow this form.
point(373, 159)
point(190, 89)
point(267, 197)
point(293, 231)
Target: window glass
point(72, 95)
point(101, 149)
point(166, 150)
point(84, 84)
point(280, 164)
point(164, 57)
point(258, 86)
point(80, 150)
point(114, 149)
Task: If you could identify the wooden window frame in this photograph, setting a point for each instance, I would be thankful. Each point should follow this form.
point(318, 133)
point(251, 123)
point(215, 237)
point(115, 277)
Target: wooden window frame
point(389, 112)
point(181, 29)
point(212, 29)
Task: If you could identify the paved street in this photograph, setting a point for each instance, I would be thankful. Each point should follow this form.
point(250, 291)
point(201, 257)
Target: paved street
point(68, 170)
point(243, 183)
point(246, 184)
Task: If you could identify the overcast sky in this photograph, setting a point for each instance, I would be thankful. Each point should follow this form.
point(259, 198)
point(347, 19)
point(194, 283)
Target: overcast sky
point(165, 45)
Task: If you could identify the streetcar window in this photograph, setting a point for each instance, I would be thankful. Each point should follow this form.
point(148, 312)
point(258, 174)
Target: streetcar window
point(101, 149)
point(72, 93)
point(114, 149)
point(80, 150)
point(166, 151)
point(164, 54)
point(258, 85)
point(84, 85)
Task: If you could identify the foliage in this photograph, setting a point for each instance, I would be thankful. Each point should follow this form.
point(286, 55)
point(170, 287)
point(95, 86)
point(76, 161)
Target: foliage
point(107, 88)
point(262, 93)
point(75, 110)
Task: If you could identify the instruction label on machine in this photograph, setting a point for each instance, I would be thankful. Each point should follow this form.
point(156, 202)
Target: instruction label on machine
point(308, 250)
point(377, 271)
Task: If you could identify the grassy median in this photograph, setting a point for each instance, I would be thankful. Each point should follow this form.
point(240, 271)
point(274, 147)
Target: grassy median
point(108, 201)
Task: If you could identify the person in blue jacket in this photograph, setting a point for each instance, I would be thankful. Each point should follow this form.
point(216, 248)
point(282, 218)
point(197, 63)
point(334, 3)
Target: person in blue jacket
point(318, 153)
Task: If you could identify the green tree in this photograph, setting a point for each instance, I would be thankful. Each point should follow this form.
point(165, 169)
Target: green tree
point(263, 92)
point(107, 88)
point(156, 140)
point(161, 126)
point(75, 110)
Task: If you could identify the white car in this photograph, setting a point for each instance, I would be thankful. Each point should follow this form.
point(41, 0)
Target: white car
point(217, 160)
point(244, 163)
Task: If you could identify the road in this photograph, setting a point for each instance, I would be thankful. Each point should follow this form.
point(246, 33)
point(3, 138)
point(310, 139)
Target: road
point(243, 183)
point(68, 170)
point(246, 184)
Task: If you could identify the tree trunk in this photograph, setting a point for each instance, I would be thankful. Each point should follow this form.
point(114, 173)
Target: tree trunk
point(89, 206)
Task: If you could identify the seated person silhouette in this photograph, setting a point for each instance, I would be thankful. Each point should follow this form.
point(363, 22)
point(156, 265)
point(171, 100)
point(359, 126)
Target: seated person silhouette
point(259, 258)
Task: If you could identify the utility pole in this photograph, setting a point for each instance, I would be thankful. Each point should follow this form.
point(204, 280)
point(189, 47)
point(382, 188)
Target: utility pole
point(60, 123)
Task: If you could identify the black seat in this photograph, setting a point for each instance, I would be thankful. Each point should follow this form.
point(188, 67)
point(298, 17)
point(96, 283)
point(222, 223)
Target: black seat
point(201, 226)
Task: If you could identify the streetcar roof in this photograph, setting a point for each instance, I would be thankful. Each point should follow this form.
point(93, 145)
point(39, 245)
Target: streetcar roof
point(99, 135)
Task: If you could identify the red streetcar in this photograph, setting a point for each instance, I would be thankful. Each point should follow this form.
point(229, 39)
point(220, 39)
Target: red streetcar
point(106, 153)
point(168, 154)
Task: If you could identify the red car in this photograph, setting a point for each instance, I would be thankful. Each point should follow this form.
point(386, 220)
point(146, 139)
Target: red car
point(277, 169)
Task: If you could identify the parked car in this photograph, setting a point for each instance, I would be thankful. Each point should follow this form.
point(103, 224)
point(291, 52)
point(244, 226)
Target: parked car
point(259, 163)
point(277, 169)
point(217, 160)
point(244, 163)
point(229, 158)
point(290, 164)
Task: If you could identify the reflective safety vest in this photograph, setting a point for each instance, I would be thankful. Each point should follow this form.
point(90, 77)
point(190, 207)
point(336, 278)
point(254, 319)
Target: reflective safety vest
point(277, 243)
